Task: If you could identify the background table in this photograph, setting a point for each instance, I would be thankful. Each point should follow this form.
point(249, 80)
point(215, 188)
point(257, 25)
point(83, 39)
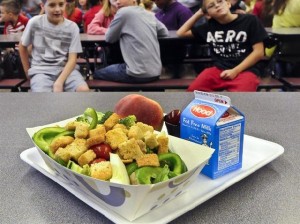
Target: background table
point(270, 195)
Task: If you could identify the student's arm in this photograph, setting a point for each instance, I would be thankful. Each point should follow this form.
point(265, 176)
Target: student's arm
point(58, 85)
point(113, 32)
point(256, 55)
point(96, 26)
point(161, 29)
point(185, 30)
point(24, 55)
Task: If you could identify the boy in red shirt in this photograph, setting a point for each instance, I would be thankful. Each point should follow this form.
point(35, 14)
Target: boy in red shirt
point(14, 22)
point(90, 14)
point(10, 15)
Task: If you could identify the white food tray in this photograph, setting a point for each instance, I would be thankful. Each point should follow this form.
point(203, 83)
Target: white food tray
point(257, 153)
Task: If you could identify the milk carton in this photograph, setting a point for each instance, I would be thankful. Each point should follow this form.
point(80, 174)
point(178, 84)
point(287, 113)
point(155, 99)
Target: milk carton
point(211, 120)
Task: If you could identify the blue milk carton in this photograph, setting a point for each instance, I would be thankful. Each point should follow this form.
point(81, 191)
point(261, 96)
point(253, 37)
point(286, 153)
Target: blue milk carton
point(211, 120)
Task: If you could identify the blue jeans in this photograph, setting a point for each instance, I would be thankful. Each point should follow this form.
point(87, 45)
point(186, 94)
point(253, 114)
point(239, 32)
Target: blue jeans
point(117, 73)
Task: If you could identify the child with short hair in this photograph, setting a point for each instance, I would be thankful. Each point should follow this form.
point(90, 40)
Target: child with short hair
point(55, 44)
point(138, 32)
point(236, 44)
point(73, 13)
point(32, 8)
point(14, 21)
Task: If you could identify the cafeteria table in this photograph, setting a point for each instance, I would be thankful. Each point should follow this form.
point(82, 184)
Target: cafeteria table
point(269, 195)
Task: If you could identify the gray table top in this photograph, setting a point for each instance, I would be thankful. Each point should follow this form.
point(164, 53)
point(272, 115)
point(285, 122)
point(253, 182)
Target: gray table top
point(270, 195)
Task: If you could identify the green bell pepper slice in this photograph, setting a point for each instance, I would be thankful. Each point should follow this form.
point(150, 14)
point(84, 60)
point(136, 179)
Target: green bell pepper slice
point(44, 137)
point(131, 167)
point(174, 162)
point(151, 175)
point(91, 112)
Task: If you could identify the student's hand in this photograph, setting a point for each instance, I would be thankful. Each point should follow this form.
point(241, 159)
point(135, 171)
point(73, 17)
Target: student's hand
point(58, 87)
point(229, 74)
point(200, 12)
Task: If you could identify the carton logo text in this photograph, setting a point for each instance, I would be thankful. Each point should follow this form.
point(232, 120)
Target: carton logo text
point(203, 111)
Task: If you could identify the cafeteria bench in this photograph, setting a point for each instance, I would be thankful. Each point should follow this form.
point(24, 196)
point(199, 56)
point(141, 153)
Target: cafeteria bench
point(11, 84)
point(160, 85)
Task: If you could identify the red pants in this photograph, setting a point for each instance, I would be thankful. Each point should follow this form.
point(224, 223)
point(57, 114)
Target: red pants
point(209, 80)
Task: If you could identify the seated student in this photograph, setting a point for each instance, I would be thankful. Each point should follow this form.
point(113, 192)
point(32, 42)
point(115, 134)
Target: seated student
point(193, 5)
point(73, 13)
point(238, 6)
point(102, 19)
point(137, 31)
point(32, 8)
point(14, 22)
point(95, 7)
point(236, 43)
point(55, 43)
point(172, 13)
point(263, 9)
point(148, 5)
point(83, 5)
point(286, 14)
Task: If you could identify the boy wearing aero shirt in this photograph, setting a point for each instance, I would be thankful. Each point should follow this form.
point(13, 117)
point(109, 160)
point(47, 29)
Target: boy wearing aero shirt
point(236, 44)
point(55, 43)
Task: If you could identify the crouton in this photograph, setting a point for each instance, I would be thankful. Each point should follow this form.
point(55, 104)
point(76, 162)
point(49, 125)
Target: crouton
point(142, 145)
point(127, 161)
point(122, 126)
point(77, 148)
point(129, 150)
point(86, 157)
point(99, 130)
point(111, 121)
point(148, 160)
point(60, 141)
point(135, 132)
point(71, 126)
point(102, 170)
point(163, 144)
point(115, 137)
point(145, 127)
point(150, 140)
point(82, 130)
point(96, 136)
point(62, 154)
